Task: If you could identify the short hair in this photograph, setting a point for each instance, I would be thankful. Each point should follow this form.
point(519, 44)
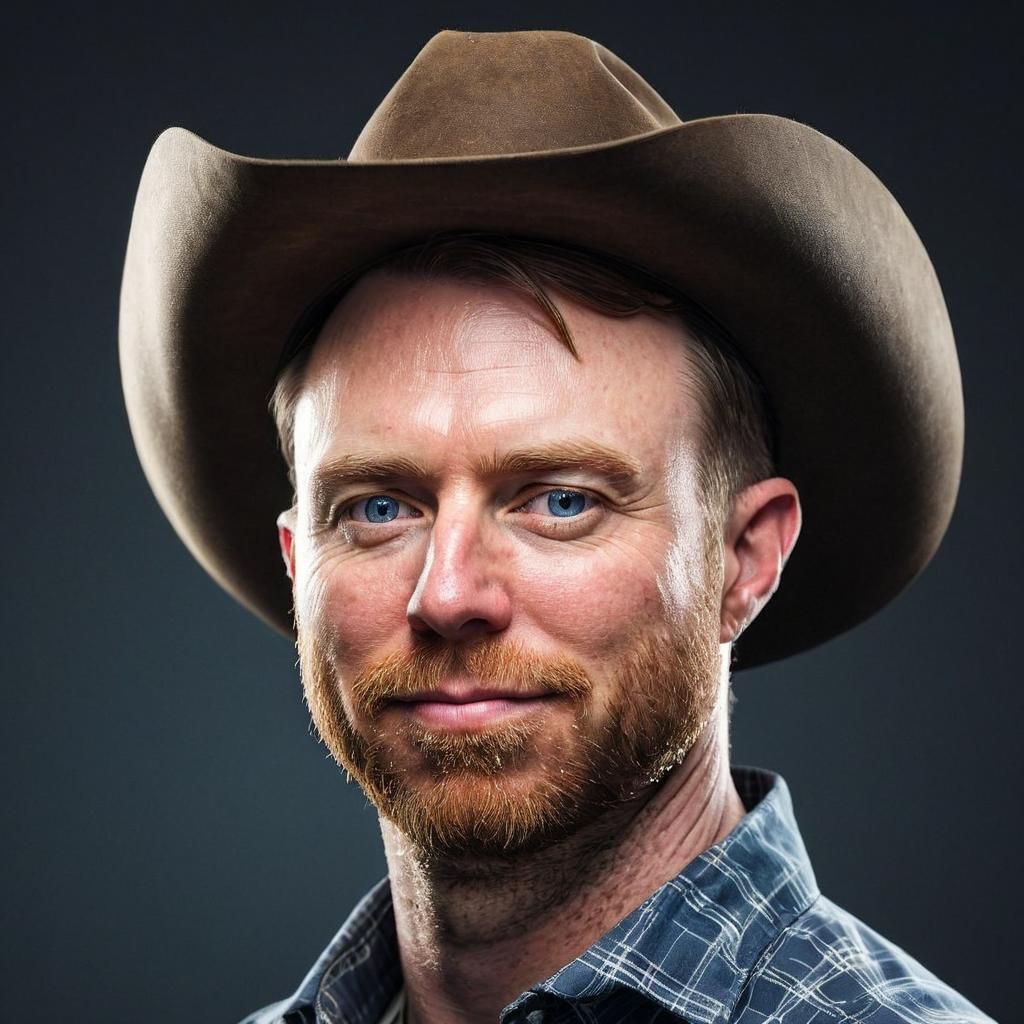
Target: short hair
point(737, 434)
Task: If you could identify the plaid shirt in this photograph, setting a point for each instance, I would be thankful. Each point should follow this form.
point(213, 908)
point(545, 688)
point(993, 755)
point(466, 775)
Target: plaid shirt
point(740, 935)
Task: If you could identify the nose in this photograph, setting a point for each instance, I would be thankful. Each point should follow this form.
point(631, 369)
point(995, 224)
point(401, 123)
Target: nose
point(461, 592)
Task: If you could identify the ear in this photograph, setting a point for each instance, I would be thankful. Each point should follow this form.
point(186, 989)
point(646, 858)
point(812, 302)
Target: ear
point(286, 538)
point(760, 534)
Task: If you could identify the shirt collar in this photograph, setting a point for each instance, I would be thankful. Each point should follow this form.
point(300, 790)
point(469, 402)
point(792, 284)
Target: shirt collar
point(357, 975)
point(689, 947)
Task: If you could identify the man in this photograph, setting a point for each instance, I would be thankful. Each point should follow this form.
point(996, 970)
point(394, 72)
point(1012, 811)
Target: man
point(574, 373)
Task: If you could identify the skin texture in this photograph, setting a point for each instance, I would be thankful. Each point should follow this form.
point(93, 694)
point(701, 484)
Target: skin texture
point(475, 582)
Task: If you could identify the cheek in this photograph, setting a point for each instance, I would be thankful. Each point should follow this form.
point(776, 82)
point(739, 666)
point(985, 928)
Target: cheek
point(360, 604)
point(589, 604)
point(368, 606)
point(682, 582)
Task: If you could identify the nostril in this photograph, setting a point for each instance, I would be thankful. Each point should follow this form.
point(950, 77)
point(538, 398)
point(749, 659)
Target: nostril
point(473, 627)
point(422, 627)
point(449, 629)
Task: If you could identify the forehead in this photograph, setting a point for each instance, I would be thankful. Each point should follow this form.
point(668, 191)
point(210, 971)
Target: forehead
point(406, 360)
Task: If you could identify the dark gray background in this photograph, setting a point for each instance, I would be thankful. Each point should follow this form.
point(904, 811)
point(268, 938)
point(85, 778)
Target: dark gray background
point(177, 846)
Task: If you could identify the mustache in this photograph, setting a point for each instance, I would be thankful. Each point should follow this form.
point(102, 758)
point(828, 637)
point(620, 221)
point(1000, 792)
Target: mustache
point(504, 664)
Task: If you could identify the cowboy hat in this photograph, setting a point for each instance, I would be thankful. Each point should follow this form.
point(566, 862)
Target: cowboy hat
point(786, 238)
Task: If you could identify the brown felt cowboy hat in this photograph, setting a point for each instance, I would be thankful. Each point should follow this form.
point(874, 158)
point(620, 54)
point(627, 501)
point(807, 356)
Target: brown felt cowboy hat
point(779, 232)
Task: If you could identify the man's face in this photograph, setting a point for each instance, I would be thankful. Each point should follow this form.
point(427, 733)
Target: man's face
point(507, 599)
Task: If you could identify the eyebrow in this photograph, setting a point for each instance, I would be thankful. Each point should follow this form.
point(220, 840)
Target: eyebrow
point(358, 467)
point(620, 470)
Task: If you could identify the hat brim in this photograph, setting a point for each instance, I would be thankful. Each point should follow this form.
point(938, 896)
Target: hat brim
point(778, 231)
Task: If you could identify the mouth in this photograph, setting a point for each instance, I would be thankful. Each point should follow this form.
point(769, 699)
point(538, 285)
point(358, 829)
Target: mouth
point(470, 708)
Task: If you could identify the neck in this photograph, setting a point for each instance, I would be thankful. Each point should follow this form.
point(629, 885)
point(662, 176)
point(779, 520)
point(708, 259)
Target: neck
point(474, 935)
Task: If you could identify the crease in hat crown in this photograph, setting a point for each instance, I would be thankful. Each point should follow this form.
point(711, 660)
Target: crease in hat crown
point(470, 94)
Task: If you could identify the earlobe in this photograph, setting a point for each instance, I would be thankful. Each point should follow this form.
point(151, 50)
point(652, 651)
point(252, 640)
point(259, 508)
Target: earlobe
point(761, 533)
point(286, 539)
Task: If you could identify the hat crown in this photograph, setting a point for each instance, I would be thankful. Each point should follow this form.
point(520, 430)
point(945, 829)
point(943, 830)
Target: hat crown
point(499, 93)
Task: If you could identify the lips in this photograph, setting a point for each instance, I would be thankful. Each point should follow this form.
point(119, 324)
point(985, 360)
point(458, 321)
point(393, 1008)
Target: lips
point(471, 707)
point(469, 694)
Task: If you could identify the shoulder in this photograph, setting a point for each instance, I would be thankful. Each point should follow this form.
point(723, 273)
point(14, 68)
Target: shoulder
point(828, 965)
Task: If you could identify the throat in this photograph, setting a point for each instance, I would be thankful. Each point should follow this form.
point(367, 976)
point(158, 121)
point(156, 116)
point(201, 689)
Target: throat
point(459, 917)
point(477, 900)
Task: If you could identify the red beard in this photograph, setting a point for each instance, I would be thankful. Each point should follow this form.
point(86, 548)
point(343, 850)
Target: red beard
point(519, 786)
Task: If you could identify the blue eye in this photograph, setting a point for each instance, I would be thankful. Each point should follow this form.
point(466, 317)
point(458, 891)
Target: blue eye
point(566, 503)
point(380, 508)
point(560, 502)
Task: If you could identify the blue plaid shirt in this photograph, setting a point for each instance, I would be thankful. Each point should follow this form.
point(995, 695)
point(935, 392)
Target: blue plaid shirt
point(740, 935)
